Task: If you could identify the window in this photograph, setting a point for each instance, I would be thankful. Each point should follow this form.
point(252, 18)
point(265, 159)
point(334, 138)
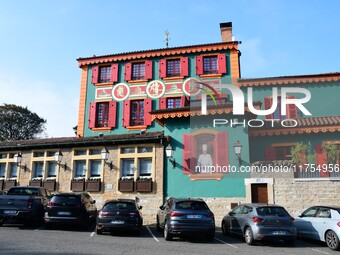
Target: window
point(291, 110)
point(145, 166)
point(125, 150)
point(310, 212)
point(138, 71)
point(2, 170)
point(79, 152)
point(52, 169)
point(80, 167)
point(144, 149)
point(137, 113)
point(173, 68)
point(95, 152)
point(3, 155)
point(95, 168)
point(210, 65)
point(38, 169)
point(51, 153)
point(38, 154)
point(174, 102)
point(283, 153)
point(104, 74)
point(102, 114)
point(127, 167)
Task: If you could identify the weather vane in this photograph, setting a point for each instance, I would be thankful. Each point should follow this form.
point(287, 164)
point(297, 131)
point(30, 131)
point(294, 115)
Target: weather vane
point(167, 38)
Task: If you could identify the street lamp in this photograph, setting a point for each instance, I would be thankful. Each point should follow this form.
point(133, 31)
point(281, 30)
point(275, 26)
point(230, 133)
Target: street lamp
point(238, 150)
point(170, 155)
point(105, 156)
point(58, 156)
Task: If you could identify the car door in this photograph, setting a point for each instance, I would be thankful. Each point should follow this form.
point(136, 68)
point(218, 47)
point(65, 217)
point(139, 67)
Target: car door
point(234, 220)
point(321, 222)
point(163, 212)
point(304, 223)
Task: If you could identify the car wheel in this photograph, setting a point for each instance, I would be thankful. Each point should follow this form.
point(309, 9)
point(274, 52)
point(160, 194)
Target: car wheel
point(210, 237)
point(159, 229)
point(224, 229)
point(99, 231)
point(167, 235)
point(332, 240)
point(248, 236)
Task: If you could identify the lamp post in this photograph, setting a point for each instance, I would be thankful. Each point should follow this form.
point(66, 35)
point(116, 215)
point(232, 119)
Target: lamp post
point(105, 156)
point(170, 155)
point(238, 150)
point(58, 156)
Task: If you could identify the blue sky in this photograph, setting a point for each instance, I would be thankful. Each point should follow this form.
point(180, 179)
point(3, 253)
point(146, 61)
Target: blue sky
point(41, 40)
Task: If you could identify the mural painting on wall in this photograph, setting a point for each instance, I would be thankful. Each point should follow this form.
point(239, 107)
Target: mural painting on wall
point(120, 91)
point(155, 89)
point(138, 90)
point(104, 93)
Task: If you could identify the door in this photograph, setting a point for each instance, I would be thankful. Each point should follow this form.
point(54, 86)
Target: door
point(259, 193)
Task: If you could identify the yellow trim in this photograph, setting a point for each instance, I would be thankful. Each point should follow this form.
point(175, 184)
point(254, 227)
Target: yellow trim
point(283, 144)
point(174, 78)
point(331, 142)
point(101, 129)
point(103, 84)
point(136, 128)
point(209, 76)
point(82, 101)
point(137, 81)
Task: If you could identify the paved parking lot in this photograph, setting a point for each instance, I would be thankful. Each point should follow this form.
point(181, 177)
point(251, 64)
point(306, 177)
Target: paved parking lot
point(19, 240)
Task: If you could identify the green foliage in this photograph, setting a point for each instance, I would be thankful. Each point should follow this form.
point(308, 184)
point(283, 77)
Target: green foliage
point(19, 123)
point(303, 152)
point(333, 152)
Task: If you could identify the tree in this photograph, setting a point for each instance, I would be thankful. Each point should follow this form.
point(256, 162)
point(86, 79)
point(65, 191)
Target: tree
point(19, 123)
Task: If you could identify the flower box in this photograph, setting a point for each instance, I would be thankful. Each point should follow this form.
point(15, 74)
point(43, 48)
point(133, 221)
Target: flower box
point(93, 185)
point(78, 185)
point(36, 183)
point(144, 185)
point(50, 185)
point(1, 184)
point(9, 184)
point(126, 185)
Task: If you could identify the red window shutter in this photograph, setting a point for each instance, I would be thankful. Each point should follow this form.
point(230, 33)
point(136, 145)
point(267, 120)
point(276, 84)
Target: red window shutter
point(269, 153)
point(162, 103)
point(92, 115)
point(184, 66)
point(112, 114)
point(126, 113)
point(222, 63)
point(321, 159)
point(267, 104)
point(221, 156)
point(162, 68)
point(182, 101)
point(291, 109)
point(95, 71)
point(148, 69)
point(189, 157)
point(147, 110)
point(128, 71)
point(199, 65)
point(114, 72)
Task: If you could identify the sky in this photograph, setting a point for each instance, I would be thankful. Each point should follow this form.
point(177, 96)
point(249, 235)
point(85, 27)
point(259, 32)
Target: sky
point(41, 40)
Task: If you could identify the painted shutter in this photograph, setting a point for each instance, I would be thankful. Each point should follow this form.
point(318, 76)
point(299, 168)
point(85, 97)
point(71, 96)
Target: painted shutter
point(112, 114)
point(147, 110)
point(114, 73)
point(222, 63)
point(162, 68)
point(95, 71)
point(189, 159)
point(128, 71)
point(269, 153)
point(182, 101)
point(321, 159)
point(291, 109)
point(148, 69)
point(267, 104)
point(184, 66)
point(162, 103)
point(221, 156)
point(92, 115)
point(199, 65)
point(126, 113)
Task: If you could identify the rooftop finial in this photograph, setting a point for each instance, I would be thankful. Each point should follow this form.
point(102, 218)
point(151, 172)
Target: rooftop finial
point(167, 38)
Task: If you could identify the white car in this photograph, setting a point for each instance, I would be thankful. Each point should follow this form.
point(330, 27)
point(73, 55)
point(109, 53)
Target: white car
point(320, 223)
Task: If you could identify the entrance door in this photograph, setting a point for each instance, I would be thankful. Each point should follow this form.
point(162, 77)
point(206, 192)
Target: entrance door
point(259, 193)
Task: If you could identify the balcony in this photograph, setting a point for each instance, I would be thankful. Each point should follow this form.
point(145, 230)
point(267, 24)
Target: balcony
point(144, 185)
point(51, 185)
point(9, 184)
point(93, 185)
point(78, 185)
point(126, 184)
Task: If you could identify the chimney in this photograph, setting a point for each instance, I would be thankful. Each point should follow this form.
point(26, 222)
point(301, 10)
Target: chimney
point(226, 31)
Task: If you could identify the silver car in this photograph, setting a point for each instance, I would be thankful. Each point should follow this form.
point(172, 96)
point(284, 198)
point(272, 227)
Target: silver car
point(321, 223)
point(257, 222)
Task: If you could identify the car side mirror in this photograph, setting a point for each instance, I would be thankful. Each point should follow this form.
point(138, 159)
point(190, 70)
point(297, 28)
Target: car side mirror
point(140, 207)
point(161, 207)
point(301, 216)
point(231, 213)
point(93, 201)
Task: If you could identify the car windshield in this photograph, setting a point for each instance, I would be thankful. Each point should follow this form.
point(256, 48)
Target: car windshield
point(271, 211)
point(69, 199)
point(116, 206)
point(191, 205)
point(23, 192)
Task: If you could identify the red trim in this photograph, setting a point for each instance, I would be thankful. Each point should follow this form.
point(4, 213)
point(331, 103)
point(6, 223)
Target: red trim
point(126, 113)
point(199, 64)
point(112, 114)
point(127, 71)
point(162, 103)
point(184, 66)
point(92, 115)
point(162, 68)
point(221, 156)
point(148, 69)
point(95, 72)
point(291, 109)
point(269, 153)
point(321, 160)
point(114, 72)
point(268, 101)
point(147, 110)
point(221, 63)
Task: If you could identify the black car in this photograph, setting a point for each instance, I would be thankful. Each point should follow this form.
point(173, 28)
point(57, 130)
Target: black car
point(70, 208)
point(119, 214)
point(186, 216)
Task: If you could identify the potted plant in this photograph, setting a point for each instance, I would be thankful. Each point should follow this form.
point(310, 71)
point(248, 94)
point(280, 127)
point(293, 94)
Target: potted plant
point(50, 183)
point(78, 184)
point(36, 181)
point(126, 184)
point(144, 184)
point(93, 184)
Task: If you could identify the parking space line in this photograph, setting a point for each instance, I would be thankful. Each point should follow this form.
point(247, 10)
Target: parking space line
point(154, 237)
point(39, 228)
point(231, 245)
point(323, 252)
point(92, 234)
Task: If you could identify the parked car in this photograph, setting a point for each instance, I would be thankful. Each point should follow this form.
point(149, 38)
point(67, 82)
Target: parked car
point(119, 214)
point(2, 192)
point(24, 204)
point(185, 216)
point(260, 222)
point(70, 208)
point(320, 223)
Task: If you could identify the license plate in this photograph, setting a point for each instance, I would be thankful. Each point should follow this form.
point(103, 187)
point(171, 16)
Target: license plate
point(117, 222)
point(64, 213)
point(279, 232)
point(194, 216)
point(10, 212)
